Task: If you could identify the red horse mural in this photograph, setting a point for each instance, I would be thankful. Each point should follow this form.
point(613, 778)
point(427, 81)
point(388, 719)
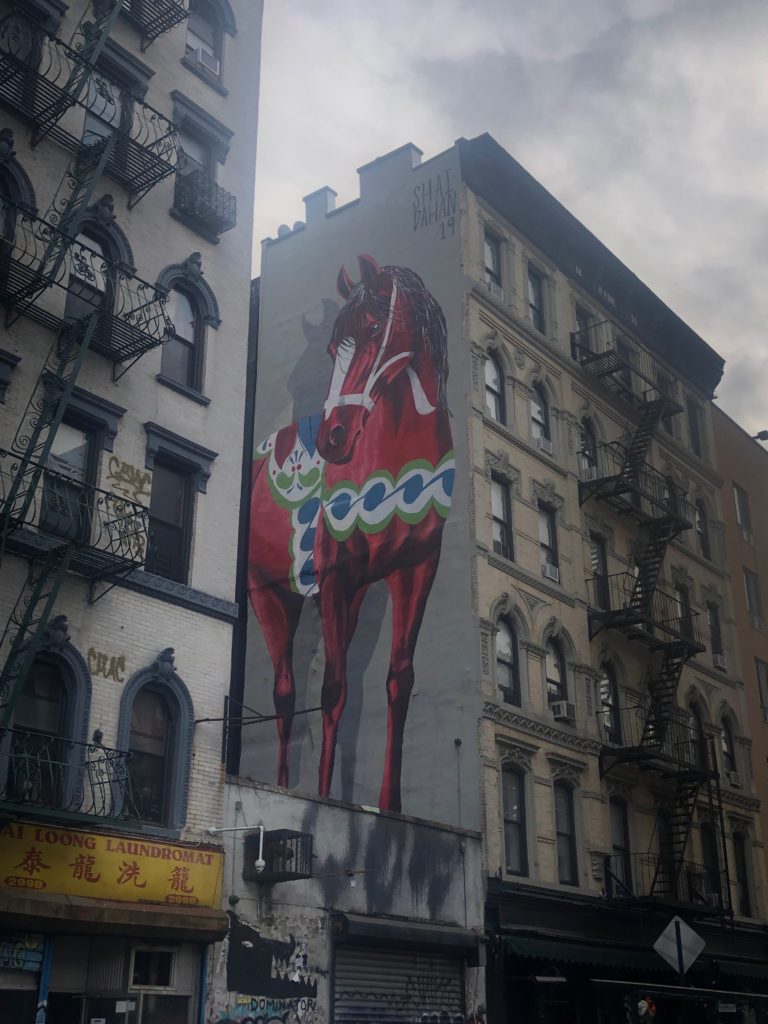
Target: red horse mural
point(356, 494)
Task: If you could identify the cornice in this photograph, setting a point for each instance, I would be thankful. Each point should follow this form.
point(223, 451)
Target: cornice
point(505, 716)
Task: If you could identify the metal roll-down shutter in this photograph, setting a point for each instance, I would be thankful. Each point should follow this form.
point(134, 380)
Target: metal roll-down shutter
point(382, 985)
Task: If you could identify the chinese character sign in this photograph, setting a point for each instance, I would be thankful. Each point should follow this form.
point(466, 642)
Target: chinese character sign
point(38, 858)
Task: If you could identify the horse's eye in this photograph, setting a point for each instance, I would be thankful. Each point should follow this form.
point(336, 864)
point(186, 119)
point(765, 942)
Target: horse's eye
point(375, 325)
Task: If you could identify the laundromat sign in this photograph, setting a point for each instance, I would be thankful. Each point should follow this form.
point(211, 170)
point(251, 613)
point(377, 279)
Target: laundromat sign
point(37, 858)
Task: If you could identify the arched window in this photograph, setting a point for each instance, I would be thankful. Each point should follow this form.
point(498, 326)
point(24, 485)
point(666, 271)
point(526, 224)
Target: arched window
point(156, 723)
point(557, 685)
point(609, 704)
point(621, 860)
point(702, 529)
point(204, 44)
point(588, 451)
point(507, 663)
point(494, 389)
point(39, 750)
point(182, 353)
point(565, 829)
point(540, 428)
point(95, 261)
point(513, 801)
point(741, 868)
point(727, 746)
point(709, 858)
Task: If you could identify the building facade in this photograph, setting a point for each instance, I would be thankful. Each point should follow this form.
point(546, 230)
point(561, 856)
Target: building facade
point(127, 142)
point(532, 592)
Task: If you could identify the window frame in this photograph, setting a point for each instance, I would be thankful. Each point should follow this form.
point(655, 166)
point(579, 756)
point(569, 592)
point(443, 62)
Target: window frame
point(492, 275)
point(754, 596)
point(535, 297)
point(519, 824)
point(761, 677)
point(598, 557)
point(623, 849)
point(541, 425)
point(588, 451)
point(505, 547)
point(216, 48)
point(584, 320)
point(510, 695)
point(186, 527)
point(569, 876)
point(741, 848)
point(695, 427)
point(701, 526)
point(683, 599)
point(555, 686)
point(500, 405)
point(547, 514)
point(610, 709)
point(196, 347)
point(743, 512)
point(715, 628)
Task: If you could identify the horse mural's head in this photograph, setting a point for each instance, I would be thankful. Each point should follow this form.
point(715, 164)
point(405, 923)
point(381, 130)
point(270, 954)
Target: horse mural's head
point(375, 338)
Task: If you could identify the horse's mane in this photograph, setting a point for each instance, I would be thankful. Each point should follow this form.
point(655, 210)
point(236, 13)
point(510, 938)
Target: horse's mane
point(431, 331)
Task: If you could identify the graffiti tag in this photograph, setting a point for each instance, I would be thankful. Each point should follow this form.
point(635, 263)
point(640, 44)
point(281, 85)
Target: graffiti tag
point(105, 665)
point(127, 480)
point(434, 203)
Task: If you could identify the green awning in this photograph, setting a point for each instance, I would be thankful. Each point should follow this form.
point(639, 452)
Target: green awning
point(627, 958)
point(744, 969)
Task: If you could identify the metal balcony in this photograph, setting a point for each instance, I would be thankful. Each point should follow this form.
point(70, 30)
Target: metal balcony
point(153, 18)
point(133, 318)
point(109, 532)
point(651, 878)
point(642, 494)
point(203, 204)
point(49, 85)
point(653, 738)
point(656, 620)
point(55, 777)
point(626, 369)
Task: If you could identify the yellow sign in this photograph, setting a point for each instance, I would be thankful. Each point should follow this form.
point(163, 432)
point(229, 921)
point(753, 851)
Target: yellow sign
point(39, 858)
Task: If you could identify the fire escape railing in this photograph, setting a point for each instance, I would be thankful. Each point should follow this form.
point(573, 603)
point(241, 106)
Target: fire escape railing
point(642, 732)
point(655, 619)
point(36, 83)
point(154, 17)
point(47, 775)
point(132, 318)
point(204, 203)
point(652, 876)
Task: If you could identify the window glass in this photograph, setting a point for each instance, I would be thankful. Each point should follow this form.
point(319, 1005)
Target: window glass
point(754, 600)
point(588, 450)
point(88, 263)
point(598, 555)
point(742, 874)
point(694, 426)
point(149, 742)
point(566, 835)
point(727, 747)
point(621, 864)
point(69, 452)
point(685, 618)
point(40, 705)
point(555, 672)
point(507, 678)
point(105, 108)
point(743, 516)
point(547, 537)
point(202, 28)
point(761, 669)
point(502, 534)
point(152, 967)
point(539, 414)
point(168, 525)
point(715, 635)
point(513, 800)
point(583, 324)
point(535, 298)
point(494, 394)
point(609, 704)
point(492, 256)
point(194, 155)
point(709, 858)
point(702, 529)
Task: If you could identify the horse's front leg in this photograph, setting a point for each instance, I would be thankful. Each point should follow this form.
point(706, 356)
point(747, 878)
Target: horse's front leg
point(409, 589)
point(336, 611)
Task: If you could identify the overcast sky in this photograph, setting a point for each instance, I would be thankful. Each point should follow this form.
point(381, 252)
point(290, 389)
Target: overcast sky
point(648, 119)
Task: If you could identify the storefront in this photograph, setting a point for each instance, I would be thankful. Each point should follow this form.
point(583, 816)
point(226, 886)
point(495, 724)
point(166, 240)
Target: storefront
point(105, 928)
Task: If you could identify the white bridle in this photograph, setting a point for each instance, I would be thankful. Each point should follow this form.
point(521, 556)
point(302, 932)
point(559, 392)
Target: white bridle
point(344, 355)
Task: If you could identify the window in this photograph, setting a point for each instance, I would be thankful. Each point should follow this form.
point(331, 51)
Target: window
point(65, 505)
point(698, 736)
point(39, 750)
point(204, 40)
point(598, 555)
point(554, 666)
point(536, 298)
point(761, 670)
point(548, 541)
point(588, 451)
point(152, 968)
point(754, 600)
point(684, 615)
point(492, 258)
point(150, 753)
point(108, 109)
point(702, 529)
point(502, 518)
point(182, 353)
point(494, 389)
point(744, 902)
point(694, 427)
point(727, 746)
point(665, 389)
point(540, 429)
point(565, 829)
point(709, 858)
point(621, 862)
point(609, 704)
point(91, 278)
point(513, 800)
point(743, 516)
point(170, 513)
point(583, 334)
point(715, 633)
point(507, 664)
point(624, 351)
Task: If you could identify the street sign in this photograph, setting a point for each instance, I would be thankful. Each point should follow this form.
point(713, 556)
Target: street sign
point(679, 945)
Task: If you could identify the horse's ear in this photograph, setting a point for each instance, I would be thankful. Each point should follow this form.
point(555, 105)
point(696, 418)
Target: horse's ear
point(344, 283)
point(370, 272)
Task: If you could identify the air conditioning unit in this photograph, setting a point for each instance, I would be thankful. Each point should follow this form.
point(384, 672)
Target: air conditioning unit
point(564, 711)
point(718, 660)
point(205, 60)
point(495, 290)
point(550, 572)
point(545, 445)
point(757, 622)
point(734, 779)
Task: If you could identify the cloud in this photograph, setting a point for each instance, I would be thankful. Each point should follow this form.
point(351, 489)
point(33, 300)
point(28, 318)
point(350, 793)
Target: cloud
point(644, 117)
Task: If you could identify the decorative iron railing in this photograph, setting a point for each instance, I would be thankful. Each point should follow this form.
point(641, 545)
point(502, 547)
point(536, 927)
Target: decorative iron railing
point(44, 773)
point(154, 17)
point(606, 350)
point(51, 86)
point(644, 876)
point(110, 532)
point(640, 492)
point(621, 601)
point(642, 732)
point(199, 199)
point(132, 316)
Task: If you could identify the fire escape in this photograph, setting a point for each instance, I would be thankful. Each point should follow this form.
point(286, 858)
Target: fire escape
point(51, 276)
point(656, 736)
